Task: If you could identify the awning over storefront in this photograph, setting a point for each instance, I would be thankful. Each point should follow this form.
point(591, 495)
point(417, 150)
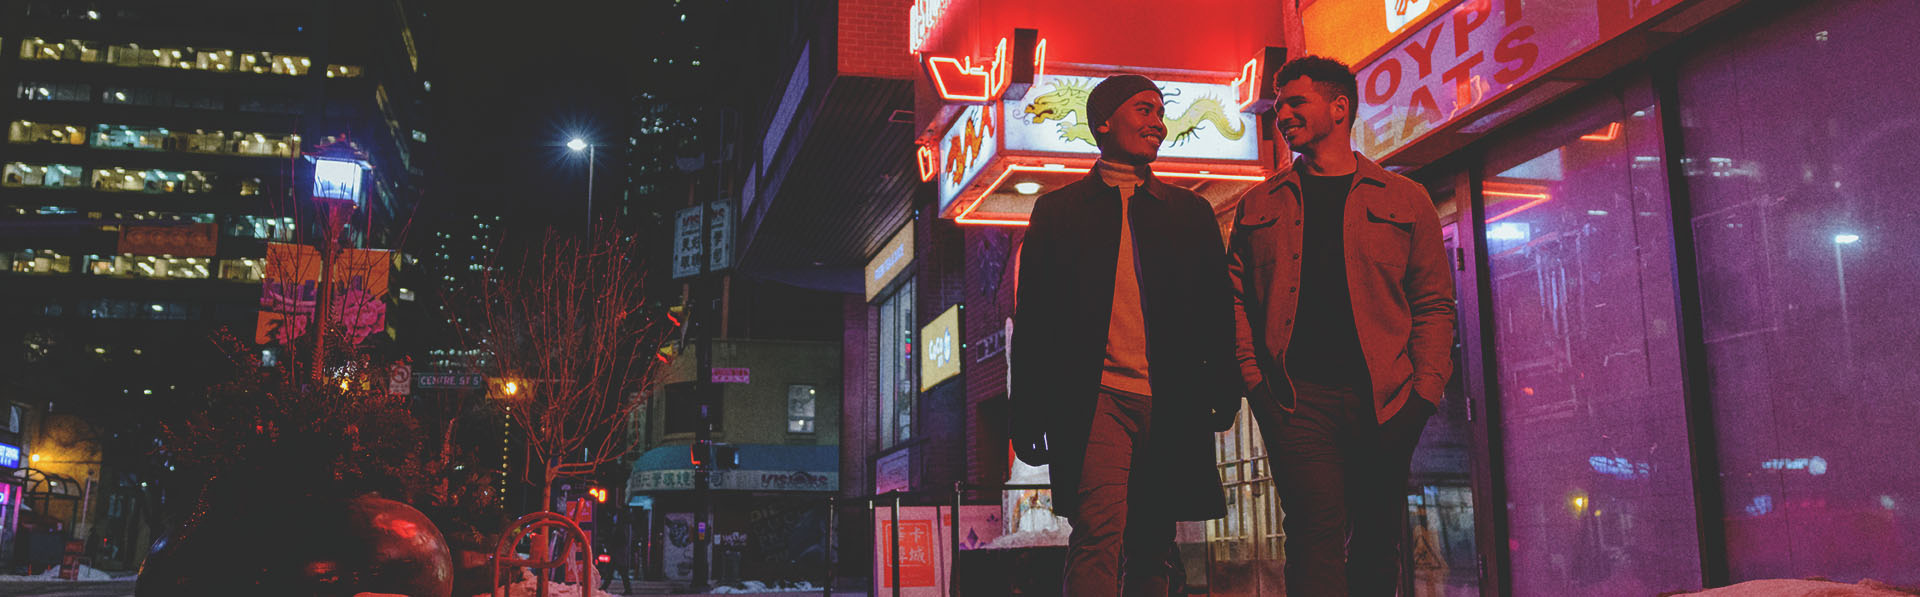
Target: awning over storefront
point(763, 467)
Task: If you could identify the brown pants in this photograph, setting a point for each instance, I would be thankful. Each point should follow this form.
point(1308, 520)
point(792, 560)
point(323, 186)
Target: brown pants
point(1107, 539)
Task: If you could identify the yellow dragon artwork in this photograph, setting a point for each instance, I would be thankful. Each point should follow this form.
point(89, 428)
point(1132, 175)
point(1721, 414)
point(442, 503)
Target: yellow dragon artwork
point(1069, 96)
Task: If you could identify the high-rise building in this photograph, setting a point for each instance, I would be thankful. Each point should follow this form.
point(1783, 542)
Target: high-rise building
point(153, 150)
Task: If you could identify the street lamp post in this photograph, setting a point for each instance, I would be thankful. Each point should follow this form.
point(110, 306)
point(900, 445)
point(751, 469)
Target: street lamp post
point(337, 172)
point(1840, 271)
point(578, 144)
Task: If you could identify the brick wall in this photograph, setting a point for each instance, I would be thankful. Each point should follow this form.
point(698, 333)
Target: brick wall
point(989, 298)
point(858, 396)
point(872, 37)
point(939, 261)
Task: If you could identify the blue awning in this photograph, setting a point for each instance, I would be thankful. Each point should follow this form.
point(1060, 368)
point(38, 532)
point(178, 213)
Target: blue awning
point(763, 467)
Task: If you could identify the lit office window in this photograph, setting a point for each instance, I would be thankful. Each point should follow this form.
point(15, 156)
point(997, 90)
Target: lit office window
point(148, 266)
point(40, 91)
point(151, 181)
point(35, 261)
point(27, 131)
point(52, 176)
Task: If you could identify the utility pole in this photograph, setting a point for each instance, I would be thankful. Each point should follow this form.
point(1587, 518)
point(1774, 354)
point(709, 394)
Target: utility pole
point(706, 306)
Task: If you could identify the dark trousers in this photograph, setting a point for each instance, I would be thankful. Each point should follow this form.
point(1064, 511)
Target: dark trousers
point(1342, 480)
point(1114, 550)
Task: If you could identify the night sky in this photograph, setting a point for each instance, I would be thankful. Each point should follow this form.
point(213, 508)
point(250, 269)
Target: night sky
point(510, 86)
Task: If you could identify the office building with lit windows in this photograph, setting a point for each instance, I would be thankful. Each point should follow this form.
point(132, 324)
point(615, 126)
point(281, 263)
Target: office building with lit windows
point(152, 151)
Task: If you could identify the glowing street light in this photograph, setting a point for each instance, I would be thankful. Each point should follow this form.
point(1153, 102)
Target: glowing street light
point(578, 145)
point(1845, 239)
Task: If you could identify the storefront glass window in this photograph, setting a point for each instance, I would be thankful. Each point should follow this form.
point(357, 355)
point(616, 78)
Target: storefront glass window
point(1800, 144)
point(897, 366)
point(1578, 238)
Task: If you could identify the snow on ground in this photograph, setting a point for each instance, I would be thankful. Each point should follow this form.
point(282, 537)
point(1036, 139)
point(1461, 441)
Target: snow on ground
point(1049, 537)
point(754, 586)
point(529, 586)
point(86, 573)
point(1803, 588)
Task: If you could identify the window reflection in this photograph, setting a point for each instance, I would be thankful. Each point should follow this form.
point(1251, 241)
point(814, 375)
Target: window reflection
point(40, 91)
point(1579, 248)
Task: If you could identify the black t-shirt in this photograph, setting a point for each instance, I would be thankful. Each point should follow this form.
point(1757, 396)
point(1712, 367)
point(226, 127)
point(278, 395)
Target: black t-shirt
point(1325, 348)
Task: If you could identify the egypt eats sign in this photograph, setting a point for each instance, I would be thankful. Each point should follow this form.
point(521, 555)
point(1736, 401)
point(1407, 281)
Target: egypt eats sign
point(1477, 52)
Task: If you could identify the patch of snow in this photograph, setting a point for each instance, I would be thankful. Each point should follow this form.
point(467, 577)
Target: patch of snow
point(529, 587)
point(754, 586)
point(86, 573)
point(1048, 538)
point(1802, 588)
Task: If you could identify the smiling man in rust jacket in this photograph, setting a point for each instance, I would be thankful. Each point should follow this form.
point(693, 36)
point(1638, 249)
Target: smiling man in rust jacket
point(1123, 352)
point(1343, 306)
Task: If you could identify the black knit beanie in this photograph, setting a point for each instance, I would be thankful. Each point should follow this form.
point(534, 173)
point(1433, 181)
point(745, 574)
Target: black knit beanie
point(1109, 94)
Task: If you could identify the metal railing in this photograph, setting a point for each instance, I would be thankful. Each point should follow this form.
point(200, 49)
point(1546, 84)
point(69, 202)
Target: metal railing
point(893, 498)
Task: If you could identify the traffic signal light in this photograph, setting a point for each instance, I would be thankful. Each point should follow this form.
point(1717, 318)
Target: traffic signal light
point(599, 494)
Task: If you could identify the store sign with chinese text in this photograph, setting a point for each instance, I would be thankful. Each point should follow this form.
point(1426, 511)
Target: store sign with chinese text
point(1475, 53)
point(9, 456)
point(940, 352)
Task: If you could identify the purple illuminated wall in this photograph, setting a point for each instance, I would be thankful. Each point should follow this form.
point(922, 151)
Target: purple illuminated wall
point(1801, 138)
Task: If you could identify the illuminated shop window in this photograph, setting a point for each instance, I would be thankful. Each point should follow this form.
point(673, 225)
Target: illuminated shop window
point(39, 91)
point(52, 176)
point(35, 261)
point(151, 181)
point(27, 131)
point(149, 266)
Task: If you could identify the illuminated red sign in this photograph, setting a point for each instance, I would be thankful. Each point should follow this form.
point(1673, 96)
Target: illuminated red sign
point(1246, 87)
point(922, 19)
point(1477, 52)
point(929, 162)
point(960, 80)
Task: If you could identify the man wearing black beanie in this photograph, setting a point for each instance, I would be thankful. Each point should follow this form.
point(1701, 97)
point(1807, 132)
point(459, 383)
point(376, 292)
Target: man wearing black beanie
point(1123, 352)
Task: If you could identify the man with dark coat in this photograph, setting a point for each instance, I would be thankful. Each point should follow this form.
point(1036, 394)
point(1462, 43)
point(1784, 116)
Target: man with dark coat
point(1123, 352)
point(1343, 305)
